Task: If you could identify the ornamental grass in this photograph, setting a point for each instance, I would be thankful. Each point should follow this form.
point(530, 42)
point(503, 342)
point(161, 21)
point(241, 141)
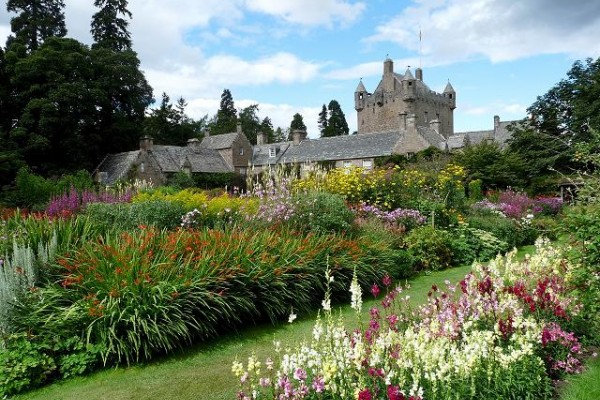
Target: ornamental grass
point(147, 292)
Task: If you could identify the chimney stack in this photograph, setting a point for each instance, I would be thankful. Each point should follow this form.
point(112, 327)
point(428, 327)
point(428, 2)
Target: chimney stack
point(411, 122)
point(146, 143)
point(298, 136)
point(261, 138)
point(419, 74)
point(239, 127)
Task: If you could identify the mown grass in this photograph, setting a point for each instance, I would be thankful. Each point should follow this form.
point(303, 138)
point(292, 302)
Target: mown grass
point(204, 371)
point(585, 386)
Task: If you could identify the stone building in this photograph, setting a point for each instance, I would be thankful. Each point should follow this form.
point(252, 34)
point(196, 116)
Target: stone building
point(399, 97)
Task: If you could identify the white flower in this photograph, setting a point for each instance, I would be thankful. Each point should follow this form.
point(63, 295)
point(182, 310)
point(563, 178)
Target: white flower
point(292, 317)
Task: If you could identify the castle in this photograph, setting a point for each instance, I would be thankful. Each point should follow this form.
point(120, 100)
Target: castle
point(400, 97)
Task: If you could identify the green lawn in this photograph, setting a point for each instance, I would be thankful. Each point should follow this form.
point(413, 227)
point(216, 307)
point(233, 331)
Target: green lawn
point(204, 371)
point(585, 386)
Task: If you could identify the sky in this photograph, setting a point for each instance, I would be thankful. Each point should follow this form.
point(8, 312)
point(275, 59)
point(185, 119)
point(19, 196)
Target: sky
point(293, 56)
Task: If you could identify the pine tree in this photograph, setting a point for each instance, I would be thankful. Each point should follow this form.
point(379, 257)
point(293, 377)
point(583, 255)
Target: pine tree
point(297, 123)
point(336, 124)
point(36, 21)
point(323, 120)
point(109, 29)
point(266, 127)
point(226, 118)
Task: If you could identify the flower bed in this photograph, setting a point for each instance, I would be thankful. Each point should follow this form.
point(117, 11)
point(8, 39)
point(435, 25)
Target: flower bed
point(502, 332)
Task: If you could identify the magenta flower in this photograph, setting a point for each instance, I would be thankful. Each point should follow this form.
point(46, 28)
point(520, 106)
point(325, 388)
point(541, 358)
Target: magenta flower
point(375, 290)
point(365, 394)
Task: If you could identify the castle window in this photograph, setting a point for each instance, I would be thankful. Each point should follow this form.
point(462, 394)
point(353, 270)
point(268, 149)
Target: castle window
point(360, 96)
point(241, 151)
point(347, 164)
point(426, 116)
point(142, 168)
point(367, 164)
point(272, 152)
point(450, 95)
point(410, 155)
point(242, 171)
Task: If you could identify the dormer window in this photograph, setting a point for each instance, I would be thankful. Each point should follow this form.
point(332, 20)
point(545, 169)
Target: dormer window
point(241, 151)
point(272, 152)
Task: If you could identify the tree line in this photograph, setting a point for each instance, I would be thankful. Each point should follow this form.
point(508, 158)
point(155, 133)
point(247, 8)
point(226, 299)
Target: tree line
point(64, 105)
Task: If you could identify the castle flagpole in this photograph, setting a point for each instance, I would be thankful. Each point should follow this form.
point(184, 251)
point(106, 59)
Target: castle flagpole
point(420, 49)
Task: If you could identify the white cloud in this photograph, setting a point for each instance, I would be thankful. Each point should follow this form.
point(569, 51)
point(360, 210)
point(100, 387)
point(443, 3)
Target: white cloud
point(499, 30)
point(309, 12)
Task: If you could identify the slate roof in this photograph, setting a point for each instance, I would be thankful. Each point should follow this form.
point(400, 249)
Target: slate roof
point(345, 147)
point(116, 166)
point(172, 159)
point(432, 137)
point(261, 153)
point(219, 142)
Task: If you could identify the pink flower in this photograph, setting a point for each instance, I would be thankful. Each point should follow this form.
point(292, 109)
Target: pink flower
point(387, 280)
point(318, 384)
point(300, 374)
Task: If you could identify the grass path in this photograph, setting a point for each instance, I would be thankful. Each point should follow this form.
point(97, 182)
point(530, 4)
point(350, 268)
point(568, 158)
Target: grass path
point(204, 371)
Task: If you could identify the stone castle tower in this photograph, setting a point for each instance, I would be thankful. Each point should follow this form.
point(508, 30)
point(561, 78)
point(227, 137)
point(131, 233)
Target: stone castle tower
point(399, 98)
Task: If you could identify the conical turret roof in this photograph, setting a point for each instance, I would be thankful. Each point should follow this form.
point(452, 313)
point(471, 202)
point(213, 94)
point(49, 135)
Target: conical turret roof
point(449, 88)
point(408, 76)
point(360, 87)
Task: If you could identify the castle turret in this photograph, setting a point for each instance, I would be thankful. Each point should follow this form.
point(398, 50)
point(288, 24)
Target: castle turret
point(451, 94)
point(408, 86)
point(360, 95)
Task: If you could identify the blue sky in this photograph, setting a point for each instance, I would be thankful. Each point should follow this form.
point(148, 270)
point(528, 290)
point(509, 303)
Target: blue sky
point(292, 56)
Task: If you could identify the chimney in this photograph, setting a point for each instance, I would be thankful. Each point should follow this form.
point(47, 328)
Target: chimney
point(419, 74)
point(207, 131)
point(193, 143)
point(388, 66)
point(146, 143)
point(496, 122)
point(298, 136)
point(435, 125)
point(261, 138)
point(403, 121)
point(239, 127)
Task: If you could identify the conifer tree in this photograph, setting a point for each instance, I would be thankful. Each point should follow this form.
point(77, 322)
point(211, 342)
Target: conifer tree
point(36, 21)
point(297, 123)
point(226, 118)
point(323, 120)
point(336, 123)
point(109, 27)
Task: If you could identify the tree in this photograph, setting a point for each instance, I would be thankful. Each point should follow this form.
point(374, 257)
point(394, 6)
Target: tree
point(336, 123)
point(226, 119)
point(279, 135)
point(297, 123)
point(250, 122)
point(322, 121)
point(170, 125)
point(74, 105)
point(570, 108)
point(109, 29)
point(266, 127)
point(495, 167)
point(36, 21)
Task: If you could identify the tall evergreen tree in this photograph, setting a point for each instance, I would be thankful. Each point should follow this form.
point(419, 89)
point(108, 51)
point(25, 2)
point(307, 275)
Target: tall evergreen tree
point(109, 27)
point(36, 21)
point(226, 118)
point(266, 127)
point(336, 123)
point(322, 120)
point(297, 123)
point(250, 122)
point(279, 135)
point(169, 124)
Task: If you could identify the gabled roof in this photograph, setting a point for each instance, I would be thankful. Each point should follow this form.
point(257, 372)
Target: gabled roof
point(261, 155)
point(431, 136)
point(172, 158)
point(219, 142)
point(116, 166)
point(345, 147)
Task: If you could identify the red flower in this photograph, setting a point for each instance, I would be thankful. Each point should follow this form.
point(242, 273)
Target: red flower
point(394, 393)
point(375, 290)
point(365, 394)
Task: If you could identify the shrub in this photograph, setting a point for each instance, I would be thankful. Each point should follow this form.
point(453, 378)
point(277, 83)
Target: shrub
point(158, 213)
point(321, 212)
point(27, 362)
point(431, 248)
point(471, 244)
